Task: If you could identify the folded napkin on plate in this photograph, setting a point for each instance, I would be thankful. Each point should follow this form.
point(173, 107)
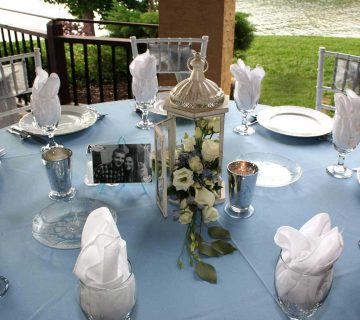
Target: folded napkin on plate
point(311, 250)
point(45, 104)
point(247, 84)
point(102, 262)
point(346, 126)
point(144, 83)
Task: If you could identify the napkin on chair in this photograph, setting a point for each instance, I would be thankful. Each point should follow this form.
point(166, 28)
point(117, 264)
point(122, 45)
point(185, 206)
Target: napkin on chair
point(247, 84)
point(102, 267)
point(45, 104)
point(144, 83)
point(346, 126)
point(314, 248)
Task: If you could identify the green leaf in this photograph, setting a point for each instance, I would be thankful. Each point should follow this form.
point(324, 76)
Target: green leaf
point(218, 233)
point(206, 272)
point(223, 247)
point(180, 264)
point(207, 250)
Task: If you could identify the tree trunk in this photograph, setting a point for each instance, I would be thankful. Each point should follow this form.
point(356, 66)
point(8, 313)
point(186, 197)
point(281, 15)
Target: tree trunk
point(88, 28)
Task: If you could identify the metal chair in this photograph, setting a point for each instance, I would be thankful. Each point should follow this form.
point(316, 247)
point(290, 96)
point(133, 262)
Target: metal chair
point(171, 54)
point(345, 74)
point(14, 83)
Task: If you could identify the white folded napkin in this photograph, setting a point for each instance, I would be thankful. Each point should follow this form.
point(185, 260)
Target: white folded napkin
point(247, 84)
point(107, 291)
point(102, 262)
point(346, 126)
point(45, 103)
point(311, 250)
point(144, 83)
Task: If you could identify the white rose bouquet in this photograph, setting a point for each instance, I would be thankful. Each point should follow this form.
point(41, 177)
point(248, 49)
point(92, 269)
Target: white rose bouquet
point(196, 183)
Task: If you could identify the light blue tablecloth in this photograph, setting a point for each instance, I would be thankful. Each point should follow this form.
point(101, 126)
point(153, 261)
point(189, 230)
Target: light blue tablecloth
point(43, 286)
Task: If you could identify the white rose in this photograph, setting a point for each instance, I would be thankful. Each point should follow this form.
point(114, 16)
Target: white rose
point(198, 133)
point(195, 164)
point(209, 214)
point(214, 124)
point(183, 179)
point(188, 144)
point(204, 196)
point(183, 204)
point(185, 216)
point(209, 183)
point(210, 150)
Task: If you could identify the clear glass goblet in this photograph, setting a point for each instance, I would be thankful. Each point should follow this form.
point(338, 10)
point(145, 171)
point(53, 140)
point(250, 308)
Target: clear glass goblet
point(47, 119)
point(301, 294)
point(4, 286)
point(339, 170)
point(245, 110)
point(144, 107)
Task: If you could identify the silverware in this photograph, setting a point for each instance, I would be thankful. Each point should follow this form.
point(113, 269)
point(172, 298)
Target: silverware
point(98, 114)
point(25, 134)
point(252, 120)
point(2, 152)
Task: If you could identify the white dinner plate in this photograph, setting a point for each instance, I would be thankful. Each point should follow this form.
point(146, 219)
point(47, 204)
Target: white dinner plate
point(73, 119)
point(295, 121)
point(159, 103)
point(274, 170)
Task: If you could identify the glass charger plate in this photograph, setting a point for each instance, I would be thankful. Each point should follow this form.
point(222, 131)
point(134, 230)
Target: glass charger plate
point(274, 170)
point(60, 224)
point(73, 119)
point(295, 121)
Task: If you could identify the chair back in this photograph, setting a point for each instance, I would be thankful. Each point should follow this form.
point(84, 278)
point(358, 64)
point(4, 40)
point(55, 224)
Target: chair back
point(345, 74)
point(171, 54)
point(14, 83)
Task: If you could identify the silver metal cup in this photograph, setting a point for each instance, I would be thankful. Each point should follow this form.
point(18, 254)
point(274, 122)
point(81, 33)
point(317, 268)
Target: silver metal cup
point(242, 177)
point(57, 163)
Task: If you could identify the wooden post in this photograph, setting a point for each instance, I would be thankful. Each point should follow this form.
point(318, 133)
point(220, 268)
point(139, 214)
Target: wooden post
point(216, 19)
point(57, 59)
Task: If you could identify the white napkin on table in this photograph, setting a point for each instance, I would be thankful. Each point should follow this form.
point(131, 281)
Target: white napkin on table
point(346, 126)
point(312, 249)
point(45, 103)
point(247, 84)
point(144, 83)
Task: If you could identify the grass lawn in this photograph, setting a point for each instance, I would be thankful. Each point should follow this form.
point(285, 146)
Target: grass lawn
point(290, 63)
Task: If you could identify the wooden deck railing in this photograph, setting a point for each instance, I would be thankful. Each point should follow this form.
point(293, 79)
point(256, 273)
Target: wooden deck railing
point(91, 69)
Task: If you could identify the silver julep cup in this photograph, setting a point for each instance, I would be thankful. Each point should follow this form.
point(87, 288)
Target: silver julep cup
point(242, 177)
point(57, 163)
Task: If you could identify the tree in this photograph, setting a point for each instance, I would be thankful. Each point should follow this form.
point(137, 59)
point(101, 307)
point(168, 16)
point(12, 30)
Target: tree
point(85, 9)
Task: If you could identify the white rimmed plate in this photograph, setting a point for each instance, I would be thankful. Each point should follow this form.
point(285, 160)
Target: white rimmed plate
point(274, 170)
point(73, 119)
point(295, 121)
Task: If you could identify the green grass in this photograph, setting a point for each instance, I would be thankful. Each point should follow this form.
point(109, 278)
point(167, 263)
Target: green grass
point(290, 63)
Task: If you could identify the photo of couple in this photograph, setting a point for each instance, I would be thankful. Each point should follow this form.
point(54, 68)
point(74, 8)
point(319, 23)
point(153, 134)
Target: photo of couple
point(124, 163)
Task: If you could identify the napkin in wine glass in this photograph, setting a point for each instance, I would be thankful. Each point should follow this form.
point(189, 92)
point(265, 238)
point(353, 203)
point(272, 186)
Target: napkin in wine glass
point(145, 82)
point(312, 249)
point(247, 84)
point(102, 262)
point(107, 289)
point(346, 126)
point(45, 103)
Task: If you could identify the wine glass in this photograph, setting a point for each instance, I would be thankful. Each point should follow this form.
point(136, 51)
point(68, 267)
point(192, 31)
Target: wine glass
point(345, 140)
point(245, 110)
point(46, 117)
point(4, 286)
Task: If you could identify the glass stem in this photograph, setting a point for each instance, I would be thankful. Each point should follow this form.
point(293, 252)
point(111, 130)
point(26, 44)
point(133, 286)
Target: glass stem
point(144, 116)
point(244, 120)
point(341, 159)
point(52, 142)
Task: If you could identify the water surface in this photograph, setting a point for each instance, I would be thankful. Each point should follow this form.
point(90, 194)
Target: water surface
point(335, 18)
